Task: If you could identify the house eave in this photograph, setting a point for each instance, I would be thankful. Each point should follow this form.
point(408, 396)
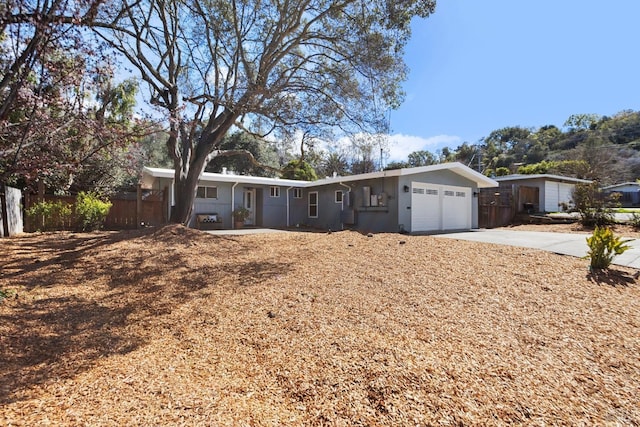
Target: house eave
point(231, 178)
point(624, 184)
point(550, 177)
point(480, 180)
point(455, 167)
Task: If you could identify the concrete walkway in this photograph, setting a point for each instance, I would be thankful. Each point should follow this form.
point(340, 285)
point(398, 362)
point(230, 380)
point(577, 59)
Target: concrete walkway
point(560, 243)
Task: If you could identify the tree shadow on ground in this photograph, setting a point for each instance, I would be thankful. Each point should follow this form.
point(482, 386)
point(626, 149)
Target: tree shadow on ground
point(58, 338)
point(611, 277)
point(93, 287)
point(40, 251)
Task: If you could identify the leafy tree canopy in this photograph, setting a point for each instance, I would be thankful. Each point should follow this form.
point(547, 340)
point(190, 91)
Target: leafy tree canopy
point(247, 155)
point(299, 170)
point(268, 66)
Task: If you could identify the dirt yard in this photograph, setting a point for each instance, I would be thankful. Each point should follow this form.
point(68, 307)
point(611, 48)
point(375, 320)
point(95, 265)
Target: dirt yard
point(178, 327)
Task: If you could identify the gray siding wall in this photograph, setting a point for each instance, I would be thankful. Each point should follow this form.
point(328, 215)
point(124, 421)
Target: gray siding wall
point(269, 211)
point(367, 218)
point(274, 209)
point(220, 206)
point(328, 210)
point(442, 177)
point(298, 208)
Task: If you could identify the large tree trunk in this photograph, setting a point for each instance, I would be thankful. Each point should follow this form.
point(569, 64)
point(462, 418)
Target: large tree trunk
point(191, 159)
point(185, 185)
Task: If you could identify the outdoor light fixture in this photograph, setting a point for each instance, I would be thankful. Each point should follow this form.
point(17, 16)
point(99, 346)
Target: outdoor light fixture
point(406, 188)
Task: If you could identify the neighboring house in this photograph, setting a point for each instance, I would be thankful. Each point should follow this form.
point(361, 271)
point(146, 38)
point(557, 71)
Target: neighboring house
point(541, 192)
point(433, 198)
point(629, 193)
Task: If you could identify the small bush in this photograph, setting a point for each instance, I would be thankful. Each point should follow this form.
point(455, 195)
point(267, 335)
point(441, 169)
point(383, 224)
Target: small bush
point(635, 220)
point(595, 207)
point(604, 246)
point(50, 216)
point(91, 211)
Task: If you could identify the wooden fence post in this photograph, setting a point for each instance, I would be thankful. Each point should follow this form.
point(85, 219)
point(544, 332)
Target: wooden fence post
point(166, 198)
point(138, 205)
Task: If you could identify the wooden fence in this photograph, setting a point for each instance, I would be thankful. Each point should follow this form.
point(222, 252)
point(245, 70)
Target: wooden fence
point(495, 208)
point(128, 211)
point(498, 207)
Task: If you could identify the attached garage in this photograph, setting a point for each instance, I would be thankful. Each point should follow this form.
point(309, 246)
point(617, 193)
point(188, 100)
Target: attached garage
point(440, 207)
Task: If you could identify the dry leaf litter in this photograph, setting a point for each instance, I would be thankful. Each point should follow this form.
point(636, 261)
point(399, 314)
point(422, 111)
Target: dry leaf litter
point(178, 327)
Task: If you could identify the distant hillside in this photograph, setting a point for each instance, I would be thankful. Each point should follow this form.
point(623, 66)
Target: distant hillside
point(589, 146)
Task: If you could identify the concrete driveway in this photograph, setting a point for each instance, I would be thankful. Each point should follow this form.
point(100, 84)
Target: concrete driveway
point(560, 243)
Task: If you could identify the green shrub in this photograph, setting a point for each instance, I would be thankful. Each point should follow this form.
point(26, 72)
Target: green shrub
point(604, 246)
point(595, 207)
point(91, 211)
point(502, 171)
point(635, 220)
point(50, 216)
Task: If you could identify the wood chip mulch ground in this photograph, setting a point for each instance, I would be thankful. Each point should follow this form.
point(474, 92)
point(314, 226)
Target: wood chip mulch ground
point(177, 327)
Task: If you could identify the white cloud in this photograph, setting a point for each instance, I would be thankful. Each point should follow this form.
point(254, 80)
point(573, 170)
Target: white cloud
point(400, 146)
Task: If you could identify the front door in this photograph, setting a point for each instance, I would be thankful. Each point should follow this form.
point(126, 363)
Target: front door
point(249, 197)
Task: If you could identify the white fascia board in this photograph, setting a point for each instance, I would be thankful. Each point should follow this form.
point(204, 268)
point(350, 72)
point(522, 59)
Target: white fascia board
point(455, 167)
point(519, 177)
point(458, 168)
point(350, 178)
point(624, 184)
point(219, 177)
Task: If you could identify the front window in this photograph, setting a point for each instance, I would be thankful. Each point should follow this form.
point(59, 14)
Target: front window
point(204, 192)
point(338, 197)
point(297, 193)
point(313, 204)
point(275, 191)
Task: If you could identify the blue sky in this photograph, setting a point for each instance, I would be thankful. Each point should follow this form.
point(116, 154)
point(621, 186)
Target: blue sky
point(477, 66)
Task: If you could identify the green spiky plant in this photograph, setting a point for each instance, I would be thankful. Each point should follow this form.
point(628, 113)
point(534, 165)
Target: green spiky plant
point(604, 246)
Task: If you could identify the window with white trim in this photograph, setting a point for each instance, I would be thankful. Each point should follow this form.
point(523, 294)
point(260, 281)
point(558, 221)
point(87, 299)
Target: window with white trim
point(204, 192)
point(313, 204)
point(275, 192)
point(297, 193)
point(338, 196)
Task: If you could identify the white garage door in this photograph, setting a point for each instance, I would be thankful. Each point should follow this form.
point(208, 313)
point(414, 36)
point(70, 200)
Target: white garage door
point(425, 207)
point(556, 193)
point(440, 207)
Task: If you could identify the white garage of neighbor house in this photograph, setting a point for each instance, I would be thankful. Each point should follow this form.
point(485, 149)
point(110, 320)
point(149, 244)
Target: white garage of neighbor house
point(553, 190)
point(434, 198)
